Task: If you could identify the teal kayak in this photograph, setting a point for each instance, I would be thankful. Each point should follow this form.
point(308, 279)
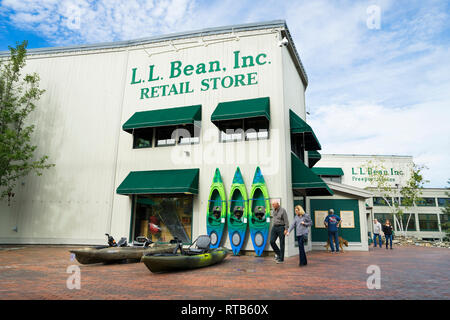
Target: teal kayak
point(259, 215)
point(237, 212)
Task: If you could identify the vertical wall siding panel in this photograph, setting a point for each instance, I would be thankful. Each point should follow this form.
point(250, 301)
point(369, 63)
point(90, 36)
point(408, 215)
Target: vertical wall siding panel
point(75, 125)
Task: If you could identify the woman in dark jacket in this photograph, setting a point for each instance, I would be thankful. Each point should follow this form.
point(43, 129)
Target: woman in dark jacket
point(387, 230)
point(302, 221)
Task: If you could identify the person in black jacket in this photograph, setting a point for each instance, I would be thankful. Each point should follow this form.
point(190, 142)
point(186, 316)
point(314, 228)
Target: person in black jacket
point(387, 230)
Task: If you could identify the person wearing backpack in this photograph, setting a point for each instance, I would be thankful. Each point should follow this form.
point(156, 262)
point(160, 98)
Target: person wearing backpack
point(332, 222)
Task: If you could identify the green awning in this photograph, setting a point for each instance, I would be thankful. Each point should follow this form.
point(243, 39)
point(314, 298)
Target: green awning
point(313, 158)
point(163, 117)
point(336, 172)
point(305, 182)
point(241, 109)
point(299, 126)
point(160, 181)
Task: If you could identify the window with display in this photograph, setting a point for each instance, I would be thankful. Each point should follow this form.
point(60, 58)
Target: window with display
point(161, 218)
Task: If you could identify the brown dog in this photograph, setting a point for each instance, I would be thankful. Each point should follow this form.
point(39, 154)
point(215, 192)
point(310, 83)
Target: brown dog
point(342, 242)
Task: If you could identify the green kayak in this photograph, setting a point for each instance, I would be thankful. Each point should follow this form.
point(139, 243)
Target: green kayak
point(175, 261)
point(217, 211)
point(117, 254)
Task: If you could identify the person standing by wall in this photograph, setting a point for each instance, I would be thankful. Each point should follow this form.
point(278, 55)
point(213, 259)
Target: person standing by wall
point(332, 223)
point(387, 230)
point(279, 230)
point(302, 222)
point(377, 229)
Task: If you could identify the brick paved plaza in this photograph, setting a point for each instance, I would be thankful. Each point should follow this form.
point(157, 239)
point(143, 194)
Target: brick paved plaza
point(39, 272)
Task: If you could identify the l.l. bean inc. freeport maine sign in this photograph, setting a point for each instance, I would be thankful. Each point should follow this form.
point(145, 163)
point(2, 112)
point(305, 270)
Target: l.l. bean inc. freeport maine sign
point(212, 81)
point(366, 174)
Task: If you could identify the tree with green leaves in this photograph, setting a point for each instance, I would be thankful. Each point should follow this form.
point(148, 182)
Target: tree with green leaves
point(18, 97)
point(404, 195)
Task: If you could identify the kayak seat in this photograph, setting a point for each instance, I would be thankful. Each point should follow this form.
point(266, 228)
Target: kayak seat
point(238, 212)
point(216, 211)
point(260, 212)
point(122, 242)
point(142, 241)
point(202, 245)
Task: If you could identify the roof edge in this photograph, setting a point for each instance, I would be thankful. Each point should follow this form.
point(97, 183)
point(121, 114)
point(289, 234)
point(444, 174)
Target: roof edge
point(159, 38)
point(177, 36)
point(345, 188)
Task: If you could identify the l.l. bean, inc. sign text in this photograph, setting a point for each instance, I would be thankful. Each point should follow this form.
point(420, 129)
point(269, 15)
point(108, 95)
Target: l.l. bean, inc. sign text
point(366, 174)
point(210, 69)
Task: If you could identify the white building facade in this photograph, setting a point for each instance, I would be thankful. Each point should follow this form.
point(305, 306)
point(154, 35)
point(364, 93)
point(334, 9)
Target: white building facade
point(424, 220)
point(88, 123)
point(136, 130)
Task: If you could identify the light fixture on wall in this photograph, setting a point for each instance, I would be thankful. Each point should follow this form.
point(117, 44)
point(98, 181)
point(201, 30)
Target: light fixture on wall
point(202, 42)
point(173, 46)
point(236, 37)
point(283, 42)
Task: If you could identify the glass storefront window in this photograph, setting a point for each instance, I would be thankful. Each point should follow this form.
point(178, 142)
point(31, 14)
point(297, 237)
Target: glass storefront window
point(405, 202)
point(161, 218)
point(444, 222)
point(166, 136)
point(428, 222)
point(411, 223)
point(379, 201)
point(382, 217)
point(297, 146)
point(143, 138)
point(427, 202)
point(442, 202)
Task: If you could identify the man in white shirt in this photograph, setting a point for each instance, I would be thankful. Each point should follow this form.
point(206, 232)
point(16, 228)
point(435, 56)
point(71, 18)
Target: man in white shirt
point(377, 230)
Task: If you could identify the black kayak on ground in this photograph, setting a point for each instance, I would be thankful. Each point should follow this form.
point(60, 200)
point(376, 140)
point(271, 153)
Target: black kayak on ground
point(190, 258)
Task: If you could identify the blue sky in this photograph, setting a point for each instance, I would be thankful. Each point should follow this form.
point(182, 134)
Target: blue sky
point(376, 86)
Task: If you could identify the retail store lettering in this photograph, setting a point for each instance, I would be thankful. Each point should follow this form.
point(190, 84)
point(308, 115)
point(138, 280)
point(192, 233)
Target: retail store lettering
point(212, 82)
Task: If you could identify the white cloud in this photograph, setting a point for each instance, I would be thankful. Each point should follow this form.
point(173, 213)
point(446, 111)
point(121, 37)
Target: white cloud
point(82, 21)
point(421, 131)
